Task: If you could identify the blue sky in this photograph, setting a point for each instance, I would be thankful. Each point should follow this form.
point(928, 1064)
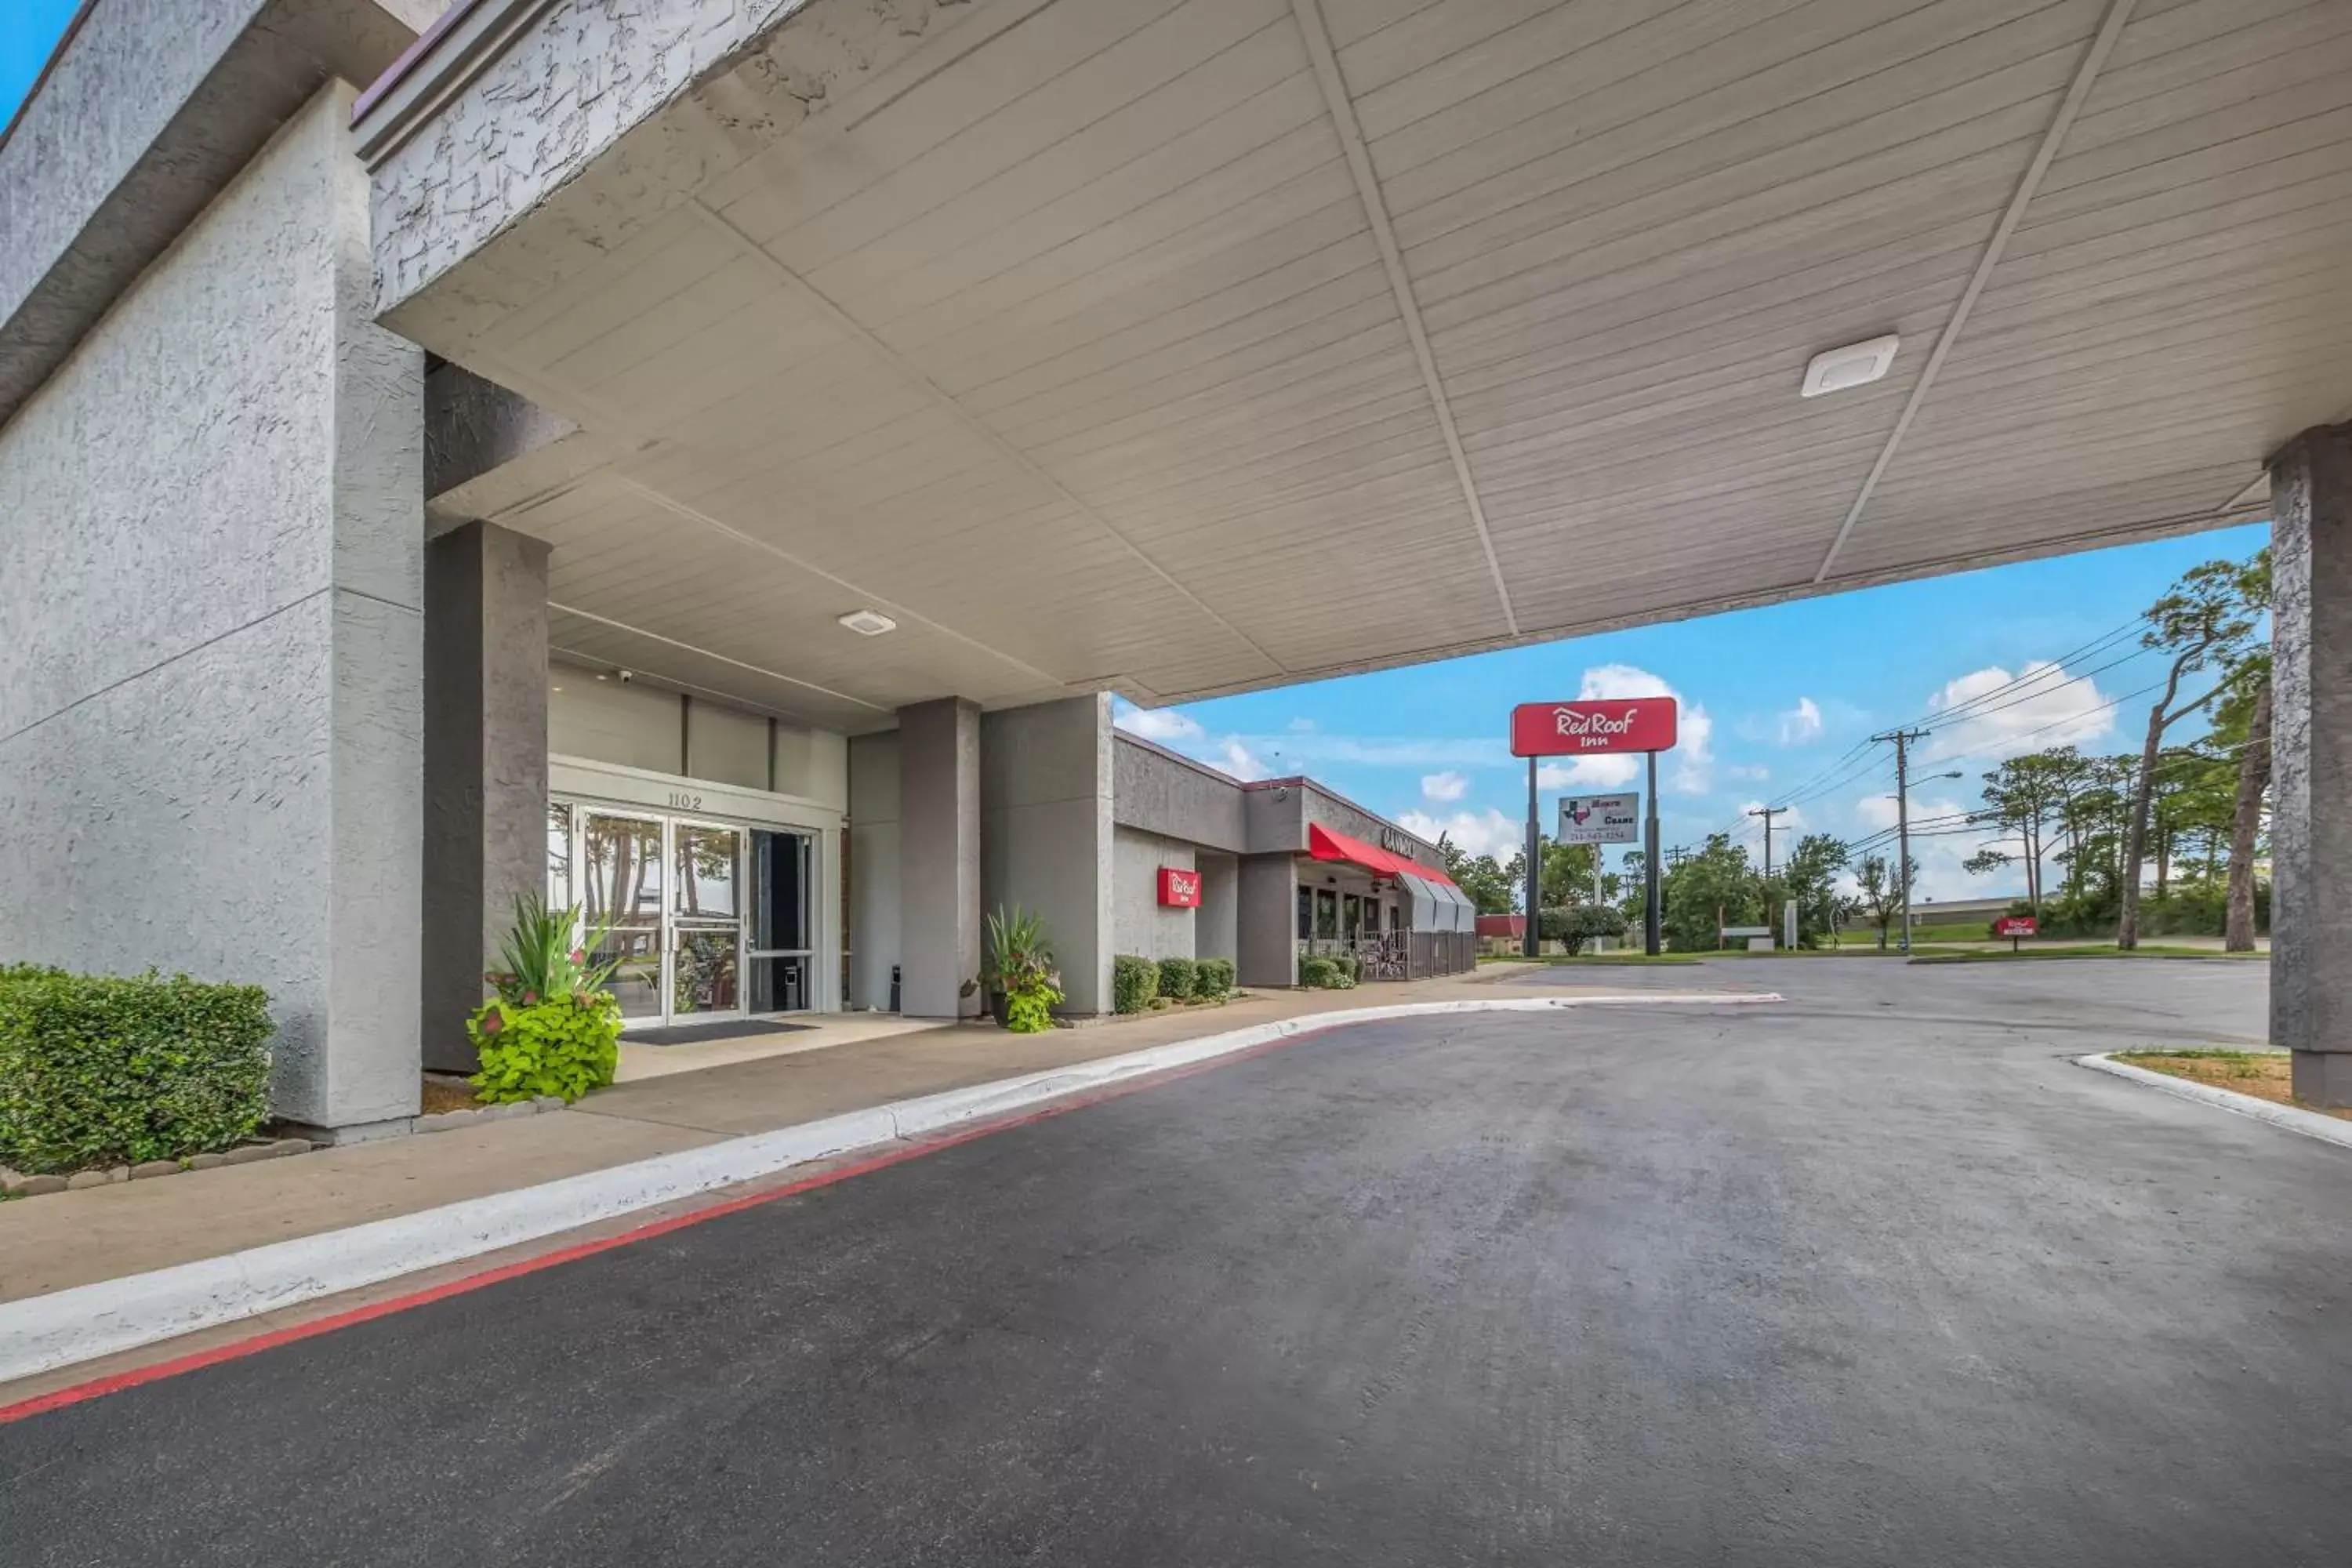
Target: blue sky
point(1774, 700)
point(29, 30)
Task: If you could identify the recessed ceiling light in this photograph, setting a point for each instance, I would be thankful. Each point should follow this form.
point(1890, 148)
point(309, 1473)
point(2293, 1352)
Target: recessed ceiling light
point(1857, 364)
point(869, 623)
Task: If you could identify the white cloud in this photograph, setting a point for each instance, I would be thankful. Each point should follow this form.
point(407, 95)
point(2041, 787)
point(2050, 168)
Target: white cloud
point(1473, 832)
point(1300, 726)
point(1748, 772)
point(1795, 726)
point(1241, 762)
point(1444, 786)
point(1612, 770)
point(2045, 708)
point(1166, 725)
point(1693, 758)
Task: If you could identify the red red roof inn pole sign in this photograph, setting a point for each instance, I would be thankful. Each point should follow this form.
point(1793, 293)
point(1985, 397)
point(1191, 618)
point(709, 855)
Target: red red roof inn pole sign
point(1590, 728)
point(1595, 727)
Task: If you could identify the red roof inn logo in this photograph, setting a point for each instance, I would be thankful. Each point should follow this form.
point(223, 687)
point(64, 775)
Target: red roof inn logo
point(1180, 889)
point(1582, 728)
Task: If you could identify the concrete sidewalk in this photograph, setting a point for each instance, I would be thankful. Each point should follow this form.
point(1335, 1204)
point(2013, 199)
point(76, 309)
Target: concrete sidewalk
point(65, 1239)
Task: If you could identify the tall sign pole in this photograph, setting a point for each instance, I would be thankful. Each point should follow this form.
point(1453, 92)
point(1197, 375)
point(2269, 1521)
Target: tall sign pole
point(1651, 903)
point(1531, 939)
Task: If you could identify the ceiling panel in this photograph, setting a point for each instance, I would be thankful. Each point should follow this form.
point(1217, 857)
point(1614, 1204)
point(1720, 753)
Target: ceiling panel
point(1077, 338)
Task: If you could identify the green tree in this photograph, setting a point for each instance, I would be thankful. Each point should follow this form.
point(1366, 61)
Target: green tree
point(1710, 890)
point(1807, 879)
point(2205, 621)
point(1880, 891)
point(2244, 716)
point(1486, 883)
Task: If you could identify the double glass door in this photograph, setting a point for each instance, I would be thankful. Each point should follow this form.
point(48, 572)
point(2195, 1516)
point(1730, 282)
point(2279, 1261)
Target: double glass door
point(707, 920)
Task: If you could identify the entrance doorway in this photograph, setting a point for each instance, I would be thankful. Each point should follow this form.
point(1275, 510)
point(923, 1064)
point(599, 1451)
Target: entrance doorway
point(708, 920)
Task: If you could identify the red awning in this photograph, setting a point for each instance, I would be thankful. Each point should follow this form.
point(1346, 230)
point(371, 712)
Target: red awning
point(1325, 845)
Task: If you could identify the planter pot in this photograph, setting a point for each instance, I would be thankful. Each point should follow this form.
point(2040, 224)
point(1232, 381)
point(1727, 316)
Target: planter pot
point(1000, 1007)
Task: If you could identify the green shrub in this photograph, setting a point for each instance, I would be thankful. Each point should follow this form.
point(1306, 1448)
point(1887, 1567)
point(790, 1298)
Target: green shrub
point(1319, 974)
point(1134, 982)
point(97, 1070)
point(564, 1047)
point(1178, 978)
point(1212, 978)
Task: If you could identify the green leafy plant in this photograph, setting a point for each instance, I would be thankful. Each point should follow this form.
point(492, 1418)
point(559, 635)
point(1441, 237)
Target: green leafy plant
point(1019, 969)
point(541, 959)
point(1177, 978)
point(1323, 973)
point(551, 1027)
point(100, 1069)
point(1134, 982)
point(1213, 979)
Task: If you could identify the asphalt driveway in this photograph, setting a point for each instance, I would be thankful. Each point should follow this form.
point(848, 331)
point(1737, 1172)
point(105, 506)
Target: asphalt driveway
point(1872, 1277)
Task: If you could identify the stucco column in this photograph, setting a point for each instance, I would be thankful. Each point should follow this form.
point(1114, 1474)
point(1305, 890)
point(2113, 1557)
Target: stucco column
point(938, 857)
point(1268, 921)
point(485, 764)
point(2311, 828)
point(1045, 835)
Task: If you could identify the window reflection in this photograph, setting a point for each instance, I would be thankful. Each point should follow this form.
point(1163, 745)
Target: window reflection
point(558, 854)
point(624, 871)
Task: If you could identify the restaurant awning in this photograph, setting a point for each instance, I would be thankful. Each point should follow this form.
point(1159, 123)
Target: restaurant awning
point(1323, 844)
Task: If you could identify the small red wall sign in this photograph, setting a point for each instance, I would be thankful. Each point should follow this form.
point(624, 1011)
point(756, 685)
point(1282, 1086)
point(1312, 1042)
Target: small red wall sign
point(1180, 889)
point(1591, 727)
point(2016, 925)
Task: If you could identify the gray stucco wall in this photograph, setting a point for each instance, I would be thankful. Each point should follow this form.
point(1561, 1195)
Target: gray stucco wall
point(154, 108)
point(938, 857)
point(1269, 920)
point(210, 592)
point(1158, 792)
point(873, 867)
point(1046, 831)
point(1217, 924)
point(1142, 924)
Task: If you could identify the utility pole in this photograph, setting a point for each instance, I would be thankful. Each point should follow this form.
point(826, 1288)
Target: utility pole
point(1902, 738)
point(1677, 855)
point(1768, 812)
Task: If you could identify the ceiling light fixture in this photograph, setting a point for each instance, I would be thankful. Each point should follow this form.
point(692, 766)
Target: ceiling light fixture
point(869, 623)
point(1856, 364)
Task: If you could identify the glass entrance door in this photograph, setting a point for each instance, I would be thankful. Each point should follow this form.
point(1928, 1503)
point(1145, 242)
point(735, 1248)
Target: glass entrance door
point(706, 925)
point(621, 863)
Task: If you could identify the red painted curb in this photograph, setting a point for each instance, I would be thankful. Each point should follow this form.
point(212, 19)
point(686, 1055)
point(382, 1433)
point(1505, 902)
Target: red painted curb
point(156, 1372)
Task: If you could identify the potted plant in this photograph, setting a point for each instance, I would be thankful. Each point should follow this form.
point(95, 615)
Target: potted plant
point(550, 1026)
point(1023, 983)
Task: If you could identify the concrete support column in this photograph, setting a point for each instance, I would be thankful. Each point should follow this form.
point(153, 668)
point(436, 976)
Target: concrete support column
point(2311, 828)
point(1268, 922)
point(1046, 841)
point(938, 857)
point(485, 765)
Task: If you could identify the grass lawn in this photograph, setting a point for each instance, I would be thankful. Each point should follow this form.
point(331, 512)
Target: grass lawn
point(2265, 1075)
point(2088, 949)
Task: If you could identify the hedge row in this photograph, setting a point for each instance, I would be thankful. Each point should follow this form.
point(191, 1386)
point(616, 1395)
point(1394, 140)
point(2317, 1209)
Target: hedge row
point(1137, 981)
point(103, 1070)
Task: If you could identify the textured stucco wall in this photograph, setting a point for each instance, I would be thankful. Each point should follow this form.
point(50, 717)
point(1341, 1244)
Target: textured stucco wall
point(1217, 924)
point(1142, 924)
point(873, 867)
point(1045, 835)
point(1162, 793)
point(1268, 944)
point(210, 591)
point(2311, 838)
point(603, 116)
point(154, 108)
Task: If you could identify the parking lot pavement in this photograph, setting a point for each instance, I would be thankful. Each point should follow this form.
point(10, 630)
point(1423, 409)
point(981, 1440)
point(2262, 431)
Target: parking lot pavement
point(1875, 1276)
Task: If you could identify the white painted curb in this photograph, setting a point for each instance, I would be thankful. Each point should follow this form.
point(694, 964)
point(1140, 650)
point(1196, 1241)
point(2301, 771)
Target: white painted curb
point(2310, 1124)
point(45, 1332)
